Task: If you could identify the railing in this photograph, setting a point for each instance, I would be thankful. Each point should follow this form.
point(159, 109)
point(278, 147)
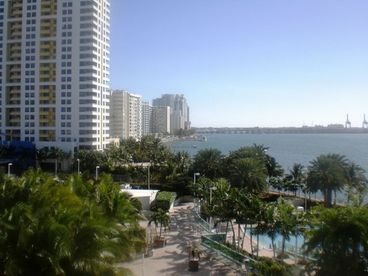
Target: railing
point(225, 251)
point(213, 242)
point(202, 223)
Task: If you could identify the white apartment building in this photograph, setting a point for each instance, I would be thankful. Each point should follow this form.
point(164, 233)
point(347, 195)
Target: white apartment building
point(54, 72)
point(161, 119)
point(126, 115)
point(146, 118)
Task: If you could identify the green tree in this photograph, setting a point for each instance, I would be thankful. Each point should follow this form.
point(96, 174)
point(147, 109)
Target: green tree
point(338, 241)
point(209, 163)
point(248, 173)
point(286, 220)
point(295, 179)
point(160, 218)
point(356, 187)
point(49, 227)
point(327, 173)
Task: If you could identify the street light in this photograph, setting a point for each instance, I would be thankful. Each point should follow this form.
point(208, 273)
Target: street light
point(56, 167)
point(78, 166)
point(299, 209)
point(211, 189)
point(9, 165)
point(195, 177)
point(97, 167)
point(194, 187)
point(149, 176)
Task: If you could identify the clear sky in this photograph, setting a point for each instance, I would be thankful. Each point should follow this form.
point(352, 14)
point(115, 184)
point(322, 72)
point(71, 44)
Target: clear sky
point(246, 62)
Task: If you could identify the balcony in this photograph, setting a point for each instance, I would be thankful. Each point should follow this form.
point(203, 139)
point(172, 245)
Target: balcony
point(48, 7)
point(48, 72)
point(13, 96)
point(14, 73)
point(48, 50)
point(15, 30)
point(48, 28)
point(13, 117)
point(47, 135)
point(14, 52)
point(15, 9)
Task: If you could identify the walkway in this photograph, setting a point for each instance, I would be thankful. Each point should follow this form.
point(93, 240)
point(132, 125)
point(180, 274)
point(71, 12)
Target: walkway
point(173, 258)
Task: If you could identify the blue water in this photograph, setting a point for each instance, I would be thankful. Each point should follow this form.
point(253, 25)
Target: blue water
point(290, 245)
point(287, 148)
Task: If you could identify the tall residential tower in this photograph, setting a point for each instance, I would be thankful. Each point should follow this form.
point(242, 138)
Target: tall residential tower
point(54, 72)
point(126, 115)
point(179, 110)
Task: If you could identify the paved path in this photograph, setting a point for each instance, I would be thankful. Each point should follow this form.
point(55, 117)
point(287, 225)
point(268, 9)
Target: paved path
point(173, 258)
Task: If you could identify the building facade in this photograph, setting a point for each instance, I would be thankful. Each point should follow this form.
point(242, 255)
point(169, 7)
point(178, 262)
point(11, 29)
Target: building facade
point(126, 115)
point(146, 118)
point(161, 119)
point(54, 72)
point(179, 110)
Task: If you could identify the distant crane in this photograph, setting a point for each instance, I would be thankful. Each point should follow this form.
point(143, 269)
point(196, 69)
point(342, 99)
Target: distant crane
point(365, 123)
point(347, 122)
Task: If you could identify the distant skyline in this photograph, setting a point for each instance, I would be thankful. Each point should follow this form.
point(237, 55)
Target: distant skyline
point(246, 63)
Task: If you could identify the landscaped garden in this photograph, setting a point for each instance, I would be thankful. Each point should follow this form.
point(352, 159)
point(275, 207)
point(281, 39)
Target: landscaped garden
point(65, 222)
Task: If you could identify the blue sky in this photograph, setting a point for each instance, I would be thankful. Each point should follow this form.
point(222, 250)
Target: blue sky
point(246, 62)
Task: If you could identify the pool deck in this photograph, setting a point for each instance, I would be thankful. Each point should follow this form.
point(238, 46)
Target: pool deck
point(172, 259)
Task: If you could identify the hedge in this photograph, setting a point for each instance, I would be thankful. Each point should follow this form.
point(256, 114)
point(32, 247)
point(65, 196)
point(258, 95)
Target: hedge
point(163, 201)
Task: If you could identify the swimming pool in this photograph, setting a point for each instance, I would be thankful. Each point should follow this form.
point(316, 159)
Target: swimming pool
point(290, 245)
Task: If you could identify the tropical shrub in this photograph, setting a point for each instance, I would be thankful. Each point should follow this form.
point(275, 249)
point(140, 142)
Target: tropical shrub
point(75, 227)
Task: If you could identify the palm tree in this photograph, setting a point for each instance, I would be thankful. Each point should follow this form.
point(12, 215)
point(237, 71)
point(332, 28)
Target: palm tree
point(209, 163)
point(268, 224)
point(160, 217)
point(287, 221)
point(57, 228)
point(357, 184)
point(327, 173)
point(296, 178)
point(248, 173)
point(338, 240)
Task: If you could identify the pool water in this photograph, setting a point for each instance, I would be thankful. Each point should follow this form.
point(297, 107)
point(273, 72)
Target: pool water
point(294, 241)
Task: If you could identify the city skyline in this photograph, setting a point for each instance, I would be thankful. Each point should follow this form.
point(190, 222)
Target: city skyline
point(264, 63)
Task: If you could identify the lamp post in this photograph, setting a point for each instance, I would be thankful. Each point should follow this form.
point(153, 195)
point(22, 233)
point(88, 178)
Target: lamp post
point(299, 209)
point(211, 189)
point(56, 167)
point(9, 165)
point(149, 176)
point(194, 187)
point(97, 167)
point(78, 166)
point(195, 177)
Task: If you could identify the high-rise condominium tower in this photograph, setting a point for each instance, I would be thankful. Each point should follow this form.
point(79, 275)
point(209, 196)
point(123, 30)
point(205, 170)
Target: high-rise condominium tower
point(126, 115)
point(54, 72)
point(179, 109)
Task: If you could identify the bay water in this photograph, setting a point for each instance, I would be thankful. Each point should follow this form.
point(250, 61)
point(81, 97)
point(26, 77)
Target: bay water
point(286, 148)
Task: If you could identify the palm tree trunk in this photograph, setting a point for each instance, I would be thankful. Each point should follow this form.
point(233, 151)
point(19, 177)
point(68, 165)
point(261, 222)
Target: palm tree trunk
point(273, 247)
point(238, 236)
point(233, 230)
point(328, 197)
point(283, 245)
point(226, 229)
point(244, 232)
point(251, 238)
